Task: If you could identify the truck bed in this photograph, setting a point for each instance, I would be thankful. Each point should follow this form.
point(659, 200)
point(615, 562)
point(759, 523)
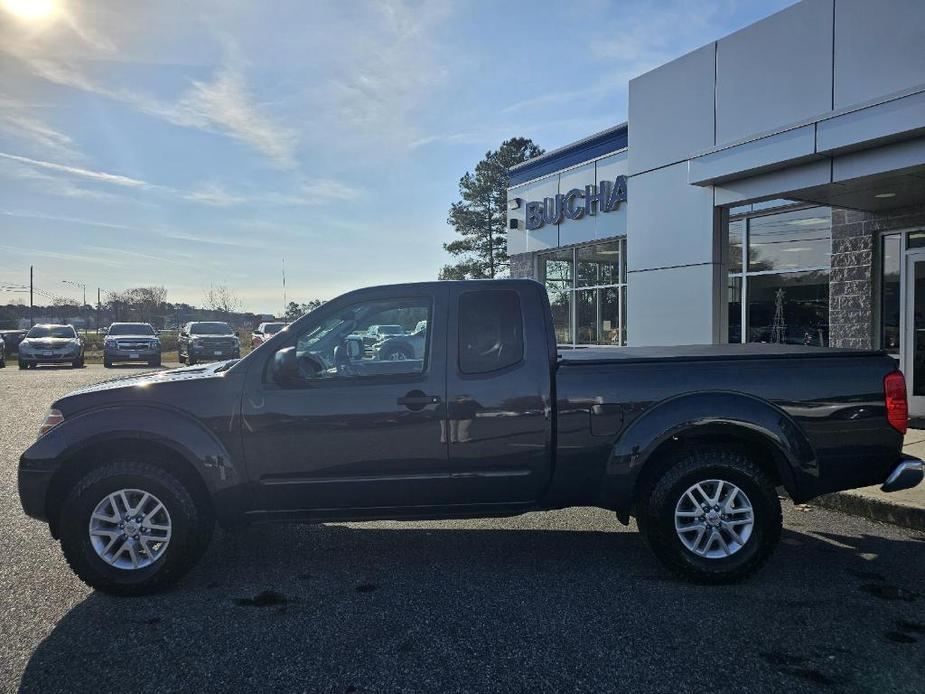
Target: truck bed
point(703, 353)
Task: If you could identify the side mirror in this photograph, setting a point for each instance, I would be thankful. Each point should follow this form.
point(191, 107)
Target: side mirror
point(354, 351)
point(285, 366)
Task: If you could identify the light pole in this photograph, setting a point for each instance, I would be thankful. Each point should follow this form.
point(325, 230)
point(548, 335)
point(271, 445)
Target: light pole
point(83, 306)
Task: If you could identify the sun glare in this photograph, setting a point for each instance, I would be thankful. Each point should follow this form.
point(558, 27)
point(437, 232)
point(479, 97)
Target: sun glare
point(30, 10)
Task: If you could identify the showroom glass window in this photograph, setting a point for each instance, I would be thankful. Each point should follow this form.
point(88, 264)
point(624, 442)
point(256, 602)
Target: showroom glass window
point(778, 282)
point(587, 292)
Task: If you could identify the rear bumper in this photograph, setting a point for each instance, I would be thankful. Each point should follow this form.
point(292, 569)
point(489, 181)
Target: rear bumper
point(906, 475)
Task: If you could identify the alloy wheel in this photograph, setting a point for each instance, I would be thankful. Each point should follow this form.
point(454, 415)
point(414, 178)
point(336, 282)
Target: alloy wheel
point(130, 529)
point(714, 519)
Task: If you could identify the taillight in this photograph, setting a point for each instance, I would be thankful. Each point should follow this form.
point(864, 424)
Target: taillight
point(897, 408)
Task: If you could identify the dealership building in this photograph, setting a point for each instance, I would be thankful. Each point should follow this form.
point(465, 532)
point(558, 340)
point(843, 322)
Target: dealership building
point(768, 187)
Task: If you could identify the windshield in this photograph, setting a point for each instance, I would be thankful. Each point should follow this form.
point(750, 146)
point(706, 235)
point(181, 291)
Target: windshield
point(52, 331)
point(131, 329)
point(273, 328)
point(210, 329)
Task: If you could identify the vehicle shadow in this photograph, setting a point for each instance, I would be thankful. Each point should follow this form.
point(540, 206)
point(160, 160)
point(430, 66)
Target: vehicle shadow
point(436, 608)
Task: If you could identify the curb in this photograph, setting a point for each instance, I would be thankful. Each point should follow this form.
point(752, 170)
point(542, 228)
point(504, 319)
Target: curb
point(876, 509)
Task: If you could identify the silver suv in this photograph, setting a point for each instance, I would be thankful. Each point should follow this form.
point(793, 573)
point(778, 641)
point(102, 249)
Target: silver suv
point(131, 342)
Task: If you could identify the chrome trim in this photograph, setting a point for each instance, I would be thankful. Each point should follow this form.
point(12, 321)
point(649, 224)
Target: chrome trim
point(904, 476)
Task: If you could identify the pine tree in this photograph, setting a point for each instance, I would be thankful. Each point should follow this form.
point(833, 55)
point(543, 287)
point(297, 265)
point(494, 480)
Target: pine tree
point(480, 216)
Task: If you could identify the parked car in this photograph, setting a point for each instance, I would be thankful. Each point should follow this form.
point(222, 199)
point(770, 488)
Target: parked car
point(377, 333)
point(11, 340)
point(51, 344)
point(207, 341)
point(131, 342)
point(400, 347)
point(692, 441)
point(264, 332)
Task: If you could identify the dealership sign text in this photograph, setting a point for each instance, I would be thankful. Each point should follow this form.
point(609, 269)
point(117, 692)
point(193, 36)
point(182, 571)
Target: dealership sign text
point(577, 203)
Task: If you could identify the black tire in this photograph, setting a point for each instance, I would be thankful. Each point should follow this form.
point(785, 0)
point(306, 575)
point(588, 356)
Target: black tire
point(3, 363)
point(657, 505)
point(190, 533)
point(190, 361)
point(181, 358)
point(107, 363)
point(155, 362)
point(23, 365)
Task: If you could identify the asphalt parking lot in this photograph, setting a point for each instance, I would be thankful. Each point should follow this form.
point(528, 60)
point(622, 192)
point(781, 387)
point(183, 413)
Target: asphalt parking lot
point(563, 601)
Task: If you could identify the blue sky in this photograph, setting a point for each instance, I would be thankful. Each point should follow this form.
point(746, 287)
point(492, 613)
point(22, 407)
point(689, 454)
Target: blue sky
point(197, 143)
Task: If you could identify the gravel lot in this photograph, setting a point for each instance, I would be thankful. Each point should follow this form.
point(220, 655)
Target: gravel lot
point(563, 601)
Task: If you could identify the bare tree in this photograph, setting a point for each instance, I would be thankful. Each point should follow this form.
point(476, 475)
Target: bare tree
point(64, 309)
point(222, 300)
point(144, 304)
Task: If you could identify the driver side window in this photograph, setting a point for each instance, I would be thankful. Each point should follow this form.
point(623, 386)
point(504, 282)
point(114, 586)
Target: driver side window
point(343, 346)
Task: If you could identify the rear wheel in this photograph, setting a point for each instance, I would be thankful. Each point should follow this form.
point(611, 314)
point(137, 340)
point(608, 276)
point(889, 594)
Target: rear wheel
point(713, 516)
point(23, 365)
point(131, 528)
point(190, 361)
point(107, 363)
point(155, 362)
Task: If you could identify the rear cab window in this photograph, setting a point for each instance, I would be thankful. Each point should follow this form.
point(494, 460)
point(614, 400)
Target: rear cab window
point(491, 335)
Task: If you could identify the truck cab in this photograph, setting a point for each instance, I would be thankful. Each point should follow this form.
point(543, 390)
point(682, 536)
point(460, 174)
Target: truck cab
point(465, 424)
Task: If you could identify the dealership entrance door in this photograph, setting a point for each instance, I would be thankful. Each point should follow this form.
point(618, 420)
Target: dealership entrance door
point(913, 348)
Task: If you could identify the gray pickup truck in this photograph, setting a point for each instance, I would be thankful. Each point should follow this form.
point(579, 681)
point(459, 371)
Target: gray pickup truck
point(490, 419)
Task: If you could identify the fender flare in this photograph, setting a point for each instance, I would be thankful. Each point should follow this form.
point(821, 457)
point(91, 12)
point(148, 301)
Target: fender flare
point(162, 425)
point(739, 414)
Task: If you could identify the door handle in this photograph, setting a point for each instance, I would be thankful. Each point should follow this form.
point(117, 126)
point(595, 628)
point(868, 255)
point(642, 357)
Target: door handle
point(418, 400)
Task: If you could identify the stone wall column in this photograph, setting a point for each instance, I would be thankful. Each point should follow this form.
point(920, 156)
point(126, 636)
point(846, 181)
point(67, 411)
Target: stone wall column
point(851, 281)
point(522, 266)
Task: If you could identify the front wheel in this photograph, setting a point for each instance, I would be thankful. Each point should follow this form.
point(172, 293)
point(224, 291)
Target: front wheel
point(131, 528)
point(713, 516)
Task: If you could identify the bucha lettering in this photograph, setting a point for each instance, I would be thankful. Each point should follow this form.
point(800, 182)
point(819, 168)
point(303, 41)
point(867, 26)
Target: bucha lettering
point(605, 197)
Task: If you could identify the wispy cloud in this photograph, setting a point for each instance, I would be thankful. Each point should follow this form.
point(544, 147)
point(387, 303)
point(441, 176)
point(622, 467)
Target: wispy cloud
point(648, 37)
point(224, 103)
point(25, 214)
point(19, 120)
point(384, 73)
point(307, 191)
point(310, 191)
point(99, 176)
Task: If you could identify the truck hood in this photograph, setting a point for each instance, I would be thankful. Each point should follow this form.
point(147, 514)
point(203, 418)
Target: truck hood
point(151, 378)
point(132, 337)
